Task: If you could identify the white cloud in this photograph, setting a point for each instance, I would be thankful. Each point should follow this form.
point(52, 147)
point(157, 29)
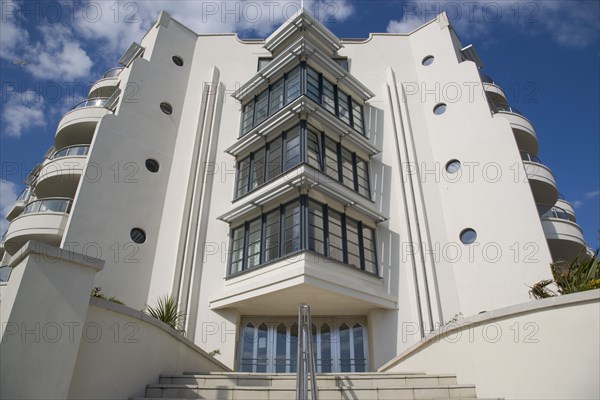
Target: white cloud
point(592, 195)
point(8, 195)
point(572, 23)
point(22, 112)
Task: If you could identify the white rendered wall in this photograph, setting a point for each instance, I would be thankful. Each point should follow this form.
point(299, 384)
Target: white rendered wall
point(544, 349)
point(131, 351)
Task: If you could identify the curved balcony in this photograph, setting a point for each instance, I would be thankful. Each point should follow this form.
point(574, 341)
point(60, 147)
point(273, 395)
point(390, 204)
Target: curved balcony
point(567, 207)
point(106, 86)
point(541, 179)
point(20, 204)
point(522, 129)
point(42, 220)
point(59, 176)
point(565, 237)
point(492, 90)
point(78, 125)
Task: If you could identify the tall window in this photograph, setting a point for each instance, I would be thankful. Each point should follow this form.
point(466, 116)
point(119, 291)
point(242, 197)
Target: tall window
point(295, 83)
point(303, 143)
point(279, 232)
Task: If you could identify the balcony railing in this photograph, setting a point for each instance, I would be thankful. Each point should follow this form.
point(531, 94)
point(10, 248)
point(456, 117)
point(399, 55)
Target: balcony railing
point(552, 212)
point(503, 107)
point(113, 72)
point(25, 194)
point(530, 157)
point(95, 102)
point(486, 79)
point(50, 205)
point(71, 151)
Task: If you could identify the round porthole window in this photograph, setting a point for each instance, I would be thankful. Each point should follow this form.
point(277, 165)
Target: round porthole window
point(439, 109)
point(152, 165)
point(428, 60)
point(178, 61)
point(138, 235)
point(468, 236)
point(453, 166)
point(166, 108)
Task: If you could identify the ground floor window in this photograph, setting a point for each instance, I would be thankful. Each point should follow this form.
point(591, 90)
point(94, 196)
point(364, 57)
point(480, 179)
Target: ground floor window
point(270, 345)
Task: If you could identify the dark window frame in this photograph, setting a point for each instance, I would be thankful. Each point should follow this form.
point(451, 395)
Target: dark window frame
point(303, 70)
point(304, 204)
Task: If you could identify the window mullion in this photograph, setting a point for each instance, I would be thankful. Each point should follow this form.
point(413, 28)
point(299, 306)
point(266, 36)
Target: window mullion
point(338, 148)
point(283, 152)
point(344, 239)
point(361, 245)
point(263, 230)
point(303, 222)
point(326, 229)
point(355, 172)
point(336, 101)
point(303, 141)
point(250, 171)
point(245, 249)
point(281, 229)
point(266, 162)
point(351, 111)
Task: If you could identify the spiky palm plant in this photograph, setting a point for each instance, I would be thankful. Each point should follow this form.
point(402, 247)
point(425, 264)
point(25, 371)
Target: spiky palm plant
point(167, 311)
point(579, 275)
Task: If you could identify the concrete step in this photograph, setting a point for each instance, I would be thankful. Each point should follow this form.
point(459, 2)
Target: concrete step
point(332, 381)
point(341, 393)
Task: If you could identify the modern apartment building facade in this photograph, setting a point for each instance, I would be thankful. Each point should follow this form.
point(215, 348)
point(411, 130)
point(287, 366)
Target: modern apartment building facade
point(385, 182)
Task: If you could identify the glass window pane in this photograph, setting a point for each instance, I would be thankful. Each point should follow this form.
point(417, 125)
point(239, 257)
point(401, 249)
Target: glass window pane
point(352, 242)
point(243, 171)
point(248, 117)
point(291, 228)
point(331, 159)
point(360, 361)
point(281, 360)
point(325, 359)
point(357, 116)
point(343, 108)
point(362, 172)
point(248, 341)
point(335, 243)
point(263, 62)
point(370, 250)
point(292, 85)
point(237, 250)
point(347, 169)
point(328, 96)
point(314, 149)
point(293, 347)
point(253, 248)
point(258, 169)
point(276, 97)
point(312, 85)
point(292, 148)
point(316, 232)
point(274, 164)
point(271, 236)
point(261, 348)
point(342, 62)
point(345, 361)
point(260, 110)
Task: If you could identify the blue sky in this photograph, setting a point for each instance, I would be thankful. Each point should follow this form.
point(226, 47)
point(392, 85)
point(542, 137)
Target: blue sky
point(545, 54)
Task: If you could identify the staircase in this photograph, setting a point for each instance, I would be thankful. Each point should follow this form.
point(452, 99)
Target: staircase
point(356, 386)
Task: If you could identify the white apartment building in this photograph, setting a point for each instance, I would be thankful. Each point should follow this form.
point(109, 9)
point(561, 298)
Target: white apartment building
point(385, 182)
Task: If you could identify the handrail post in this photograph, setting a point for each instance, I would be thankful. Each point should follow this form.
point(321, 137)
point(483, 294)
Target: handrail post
point(306, 356)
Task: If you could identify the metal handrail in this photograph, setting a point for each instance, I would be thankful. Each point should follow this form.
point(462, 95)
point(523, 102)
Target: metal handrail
point(553, 212)
point(486, 78)
point(113, 72)
point(503, 107)
point(25, 194)
point(306, 357)
point(77, 150)
point(530, 157)
point(93, 102)
point(52, 204)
